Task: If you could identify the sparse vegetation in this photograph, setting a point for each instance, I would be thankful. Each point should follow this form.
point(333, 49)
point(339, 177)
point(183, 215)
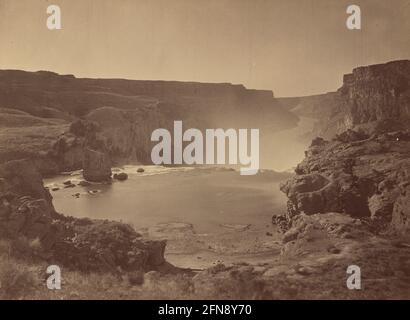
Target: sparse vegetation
point(26, 279)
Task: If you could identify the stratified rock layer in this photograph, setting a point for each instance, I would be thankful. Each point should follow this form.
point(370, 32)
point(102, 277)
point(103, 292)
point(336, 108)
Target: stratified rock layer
point(125, 111)
point(373, 98)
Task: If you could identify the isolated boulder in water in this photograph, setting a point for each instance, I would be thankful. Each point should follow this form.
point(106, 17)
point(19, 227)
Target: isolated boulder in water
point(84, 183)
point(121, 176)
point(96, 166)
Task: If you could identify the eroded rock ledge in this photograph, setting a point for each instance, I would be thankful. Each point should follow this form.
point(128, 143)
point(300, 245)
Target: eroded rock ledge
point(29, 221)
point(362, 176)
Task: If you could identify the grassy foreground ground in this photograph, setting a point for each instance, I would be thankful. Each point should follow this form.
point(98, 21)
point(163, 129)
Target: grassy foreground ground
point(303, 271)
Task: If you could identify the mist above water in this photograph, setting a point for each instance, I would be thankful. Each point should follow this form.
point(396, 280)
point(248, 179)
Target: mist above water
point(283, 150)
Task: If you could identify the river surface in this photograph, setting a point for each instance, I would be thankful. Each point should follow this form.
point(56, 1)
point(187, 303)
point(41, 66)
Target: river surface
point(207, 215)
point(204, 197)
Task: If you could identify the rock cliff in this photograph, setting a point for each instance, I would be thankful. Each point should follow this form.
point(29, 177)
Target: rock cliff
point(348, 203)
point(121, 115)
point(37, 93)
point(372, 98)
point(377, 93)
point(357, 175)
point(363, 169)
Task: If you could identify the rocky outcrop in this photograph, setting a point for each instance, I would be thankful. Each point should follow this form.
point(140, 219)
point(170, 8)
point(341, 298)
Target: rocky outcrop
point(363, 169)
point(108, 246)
point(29, 221)
point(354, 174)
point(349, 200)
point(20, 177)
point(96, 166)
point(122, 176)
point(67, 153)
point(26, 206)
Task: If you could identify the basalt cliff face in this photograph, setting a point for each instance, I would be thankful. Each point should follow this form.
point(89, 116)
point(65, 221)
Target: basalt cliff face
point(38, 107)
point(377, 93)
point(372, 98)
point(363, 171)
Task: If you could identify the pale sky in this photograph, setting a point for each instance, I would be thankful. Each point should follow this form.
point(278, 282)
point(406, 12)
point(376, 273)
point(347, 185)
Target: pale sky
point(293, 47)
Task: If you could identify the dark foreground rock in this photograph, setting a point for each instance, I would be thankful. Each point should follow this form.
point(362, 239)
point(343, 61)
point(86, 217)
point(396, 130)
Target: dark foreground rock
point(27, 215)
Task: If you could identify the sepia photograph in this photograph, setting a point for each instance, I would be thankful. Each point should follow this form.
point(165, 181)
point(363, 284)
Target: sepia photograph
point(224, 150)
